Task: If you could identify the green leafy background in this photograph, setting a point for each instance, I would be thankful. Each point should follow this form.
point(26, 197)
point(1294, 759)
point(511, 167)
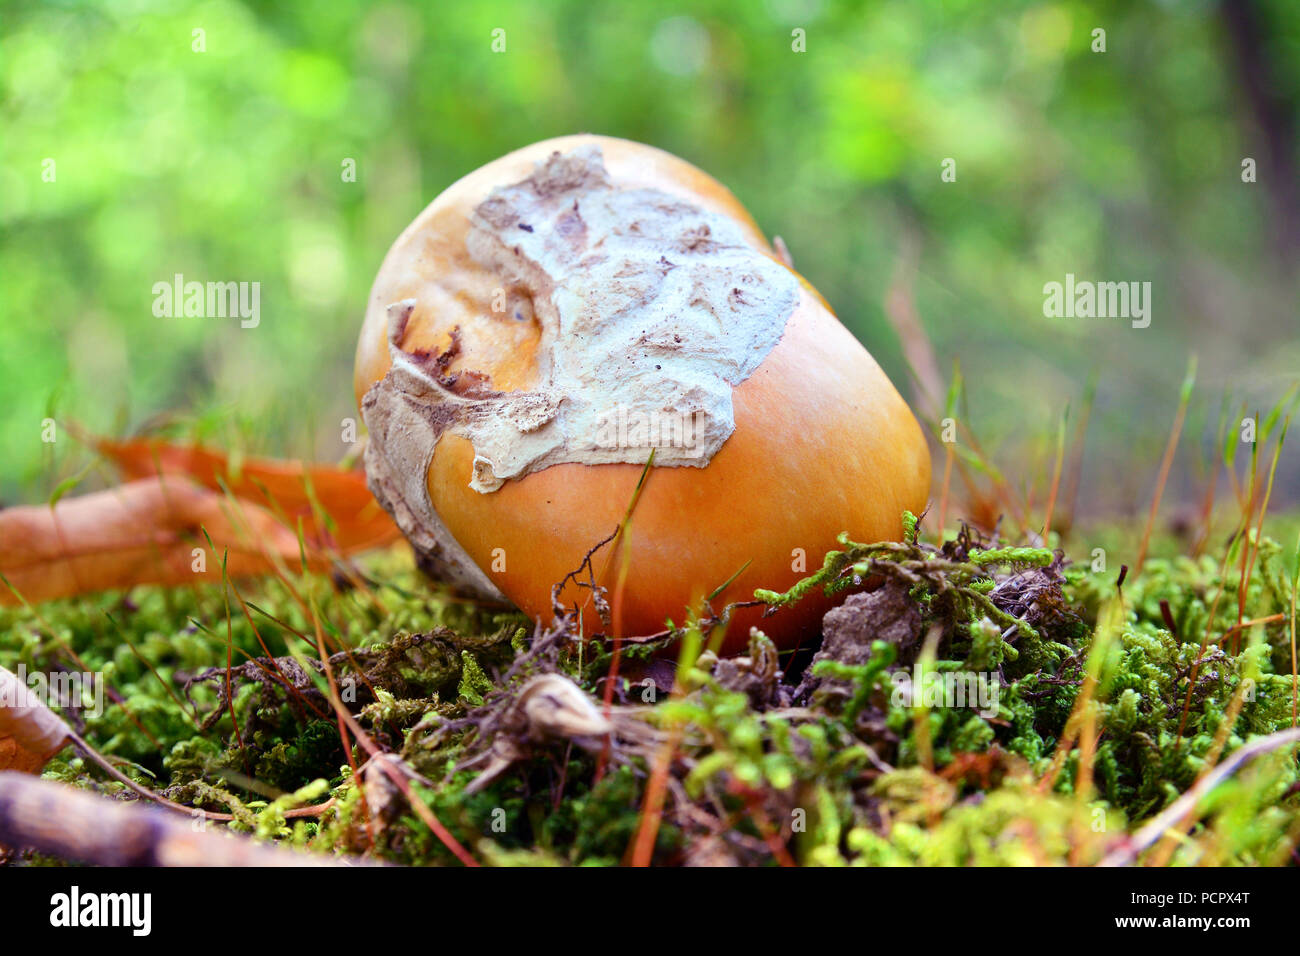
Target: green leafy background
point(225, 165)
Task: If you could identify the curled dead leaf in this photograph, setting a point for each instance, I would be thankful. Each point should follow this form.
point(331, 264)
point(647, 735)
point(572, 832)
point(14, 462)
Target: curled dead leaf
point(334, 504)
point(30, 733)
point(155, 529)
point(145, 532)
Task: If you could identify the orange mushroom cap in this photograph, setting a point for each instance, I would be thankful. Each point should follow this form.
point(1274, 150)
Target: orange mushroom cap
point(817, 442)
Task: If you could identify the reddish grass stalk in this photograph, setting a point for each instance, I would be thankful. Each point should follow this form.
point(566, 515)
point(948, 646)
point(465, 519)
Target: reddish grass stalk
point(943, 499)
point(1162, 853)
point(615, 661)
point(623, 554)
point(1259, 525)
point(189, 714)
point(1207, 515)
point(1236, 485)
point(1246, 519)
point(1080, 435)
point(288, 684)
point(343, 718)
point(1237, 629)
point(1129, 850)
point(1211, 492)
point(1295, 680)
point(1056, 482)
point(1001, 489)
point(1184, 398)
point(230, 660)
point(652, 808)
point(1088, 737)
point(754, 807)
point(348, 723)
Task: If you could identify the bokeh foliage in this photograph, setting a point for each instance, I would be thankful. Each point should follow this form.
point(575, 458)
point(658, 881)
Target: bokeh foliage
point(225, 165)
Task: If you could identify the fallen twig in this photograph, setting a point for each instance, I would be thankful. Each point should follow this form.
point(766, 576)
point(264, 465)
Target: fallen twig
point(73, 825)
point(1128, 852)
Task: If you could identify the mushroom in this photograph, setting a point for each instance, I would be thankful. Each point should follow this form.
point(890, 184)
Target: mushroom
point(557, 315)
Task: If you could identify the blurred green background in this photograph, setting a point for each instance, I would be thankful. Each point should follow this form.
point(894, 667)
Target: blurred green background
point(225, 164)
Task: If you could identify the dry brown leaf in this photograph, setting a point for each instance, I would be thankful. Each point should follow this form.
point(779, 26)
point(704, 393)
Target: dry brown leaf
point(151, 530)
point(144, 532)
point(30, 733)
point(334, 504)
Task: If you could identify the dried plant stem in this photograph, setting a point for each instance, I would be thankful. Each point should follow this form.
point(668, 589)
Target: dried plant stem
point(622, 553)
point(1056, 481)
point(1162, 854)
point(1167, 462)
point(1211, 490)
point(1080, 435)
point(1238, 628)
point(1246, 517)
point(1295, 675)
point(943, 498)
point(652, 808)
point(1259, 524)
point(1186, 805)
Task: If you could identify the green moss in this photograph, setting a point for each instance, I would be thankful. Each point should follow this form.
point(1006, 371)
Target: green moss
point(855, 776)
point(473, 682)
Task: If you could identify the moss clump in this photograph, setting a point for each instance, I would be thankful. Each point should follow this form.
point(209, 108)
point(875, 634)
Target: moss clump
point(1073, 732)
